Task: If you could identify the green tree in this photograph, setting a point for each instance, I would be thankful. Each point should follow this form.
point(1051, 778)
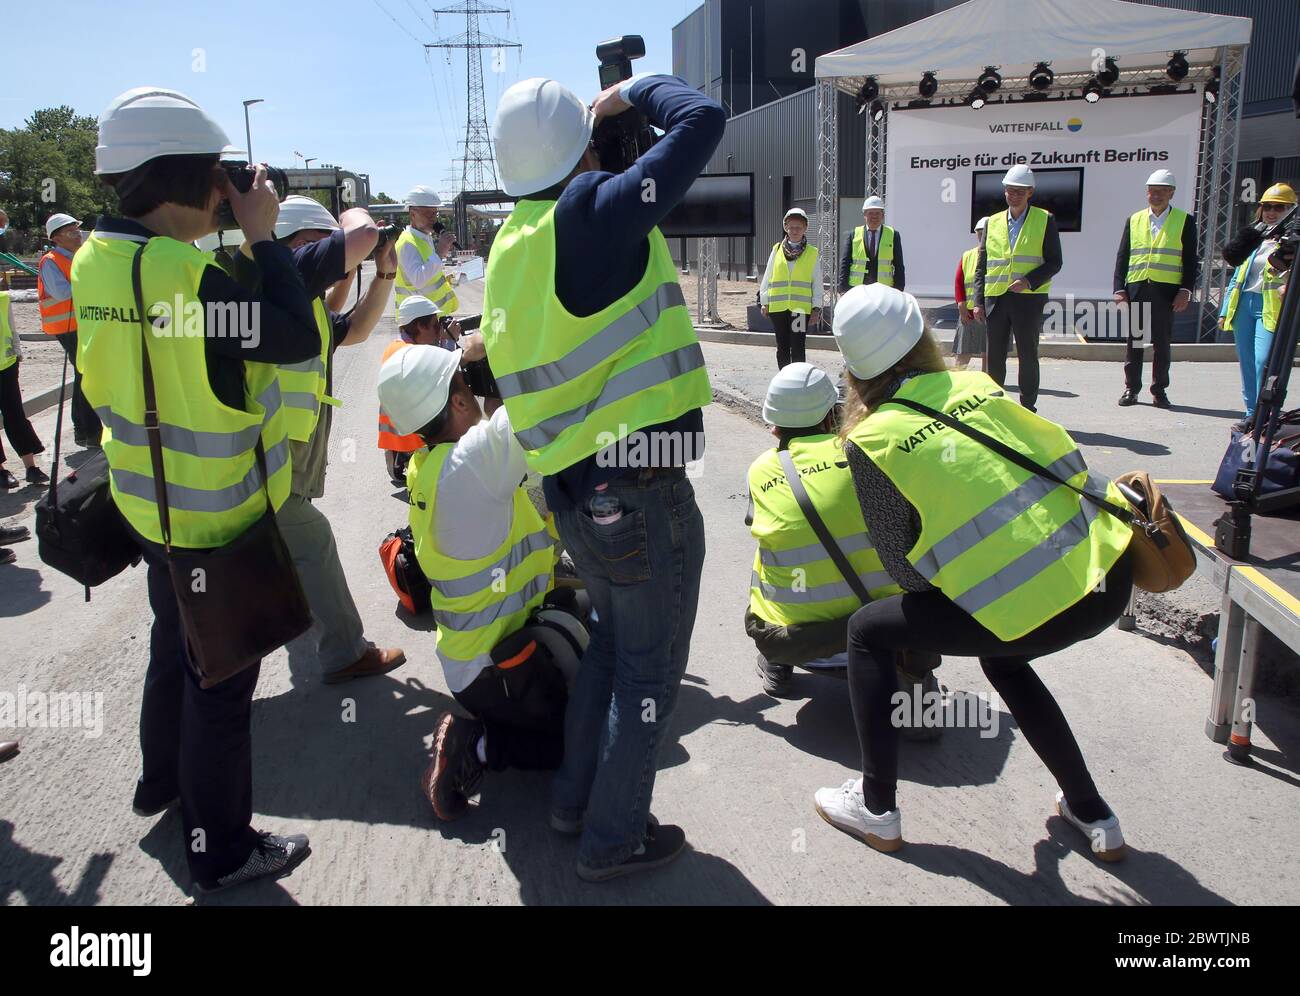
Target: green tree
point(382, 198)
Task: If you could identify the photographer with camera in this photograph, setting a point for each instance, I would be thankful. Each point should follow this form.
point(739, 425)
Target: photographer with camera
point(594, 352)
point(421, 250)
point(218, 408)
point(1252, 302)
point(325, 252)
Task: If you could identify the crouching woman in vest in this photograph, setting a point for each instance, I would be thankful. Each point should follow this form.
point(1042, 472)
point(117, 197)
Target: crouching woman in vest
point(994, 562)
point(212, 348)
point(490, 559)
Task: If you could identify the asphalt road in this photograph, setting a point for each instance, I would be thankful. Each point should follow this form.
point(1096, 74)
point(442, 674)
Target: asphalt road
point(738, 776)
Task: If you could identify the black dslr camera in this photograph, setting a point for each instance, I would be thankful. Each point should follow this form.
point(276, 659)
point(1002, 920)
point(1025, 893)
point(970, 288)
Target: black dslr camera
point(387, 234)
point(241, 176)
point(621, 140)
point(478, 375)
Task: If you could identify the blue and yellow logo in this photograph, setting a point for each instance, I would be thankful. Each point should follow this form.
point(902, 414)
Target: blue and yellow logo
point(1074, 124)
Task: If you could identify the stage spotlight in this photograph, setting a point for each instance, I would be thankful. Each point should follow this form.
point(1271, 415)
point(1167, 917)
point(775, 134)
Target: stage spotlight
point(1094, 91)
point(1177, 68)
point(877, 110)
point(976, 99)
point(989, 80)
point(867, 93)
point(929, 86)
point(1042, 76)
point(1109, 76)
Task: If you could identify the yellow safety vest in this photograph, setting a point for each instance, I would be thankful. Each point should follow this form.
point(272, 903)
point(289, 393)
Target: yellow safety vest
point(214, 487)
point(1159, 257)
point(794, 579)
point(1010, 547)
point(574, 385)
point(302, 385)
point(885, 257)
point(439, 292)
point(791, 289)
point(969, 263)
point(477, 603)
point(8, 338)
point(1270, 290)
point(1005, 263)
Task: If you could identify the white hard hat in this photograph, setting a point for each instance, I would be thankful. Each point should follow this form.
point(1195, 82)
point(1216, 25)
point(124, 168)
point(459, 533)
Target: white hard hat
point(413, 308)
point(795, 213)
point(149, 122)
point(876, 326)
point(1019, 175)
point(1162, 178)
point(56, 221)
point(873, 202)
point(422, 196)
point(799, 395)
point(414, 384)
point(299, 213)
point(982, 224)
point(540, 131)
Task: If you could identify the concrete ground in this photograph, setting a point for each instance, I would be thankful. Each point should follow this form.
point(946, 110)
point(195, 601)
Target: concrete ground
point(741, 771)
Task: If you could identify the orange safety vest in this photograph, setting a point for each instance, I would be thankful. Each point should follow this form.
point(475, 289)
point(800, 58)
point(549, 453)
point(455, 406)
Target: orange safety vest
point(56, 316)
point(388, 436)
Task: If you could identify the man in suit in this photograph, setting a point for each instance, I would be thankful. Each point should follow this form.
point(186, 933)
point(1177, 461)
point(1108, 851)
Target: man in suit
point(873, 251)
point(1155, 269)
point(1020, 255)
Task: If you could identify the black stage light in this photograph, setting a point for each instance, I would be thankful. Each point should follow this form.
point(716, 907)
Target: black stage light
point(1042, 76)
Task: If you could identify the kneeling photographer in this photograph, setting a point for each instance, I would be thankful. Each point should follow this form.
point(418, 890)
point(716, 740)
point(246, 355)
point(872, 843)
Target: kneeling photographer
point(590, 342)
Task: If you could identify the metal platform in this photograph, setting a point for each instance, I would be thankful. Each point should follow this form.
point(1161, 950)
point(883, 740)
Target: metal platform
point(1263, 591)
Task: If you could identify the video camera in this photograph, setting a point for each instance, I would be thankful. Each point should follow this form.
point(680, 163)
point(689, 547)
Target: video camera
point(619, 141)
point(241, 174)
point(1287, 233)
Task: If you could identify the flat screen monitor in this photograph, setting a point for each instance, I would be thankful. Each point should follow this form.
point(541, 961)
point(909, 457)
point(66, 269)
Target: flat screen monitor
point(1059, 191)
point(718, 205)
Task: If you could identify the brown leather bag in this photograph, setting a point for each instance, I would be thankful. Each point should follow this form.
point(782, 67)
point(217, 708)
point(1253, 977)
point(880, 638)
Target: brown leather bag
point(1163, 557)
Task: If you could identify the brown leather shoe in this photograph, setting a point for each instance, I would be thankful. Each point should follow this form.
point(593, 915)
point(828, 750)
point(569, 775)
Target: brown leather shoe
point(376, 660)
point(8, 749)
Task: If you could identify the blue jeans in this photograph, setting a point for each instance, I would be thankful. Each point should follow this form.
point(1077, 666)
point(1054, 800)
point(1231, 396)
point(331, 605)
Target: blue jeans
point(1253, 343)
point(643, 575)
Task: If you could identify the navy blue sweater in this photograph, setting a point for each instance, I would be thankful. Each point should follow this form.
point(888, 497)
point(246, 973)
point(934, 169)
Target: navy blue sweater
point(601, 226)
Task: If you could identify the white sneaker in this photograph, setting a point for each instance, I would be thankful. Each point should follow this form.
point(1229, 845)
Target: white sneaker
point(844, 809)
point(1104, 835)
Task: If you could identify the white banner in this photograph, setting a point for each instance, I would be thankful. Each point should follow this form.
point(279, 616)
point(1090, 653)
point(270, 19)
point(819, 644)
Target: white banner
point(1091, 162)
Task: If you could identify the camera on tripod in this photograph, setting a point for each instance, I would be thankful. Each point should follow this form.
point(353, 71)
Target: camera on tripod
point(619, 141)
point(241, 175)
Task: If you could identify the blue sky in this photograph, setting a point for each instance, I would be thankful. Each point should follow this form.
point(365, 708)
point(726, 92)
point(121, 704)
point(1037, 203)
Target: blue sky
point(342, 82)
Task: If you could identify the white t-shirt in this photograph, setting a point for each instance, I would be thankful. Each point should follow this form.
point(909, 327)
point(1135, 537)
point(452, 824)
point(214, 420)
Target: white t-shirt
point(1254, 281)
point(475, 509)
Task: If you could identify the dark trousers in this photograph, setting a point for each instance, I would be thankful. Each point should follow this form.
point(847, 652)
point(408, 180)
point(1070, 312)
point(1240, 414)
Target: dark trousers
point(18, 427)
point(1021, 316)
point(195, 742)
point(1157, 320)
point(930, 621)
point(790, 336)
point(522, 710)
point(85, 423)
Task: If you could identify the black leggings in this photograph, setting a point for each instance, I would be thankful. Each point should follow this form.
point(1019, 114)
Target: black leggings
point(930, 621)
point(789, 337)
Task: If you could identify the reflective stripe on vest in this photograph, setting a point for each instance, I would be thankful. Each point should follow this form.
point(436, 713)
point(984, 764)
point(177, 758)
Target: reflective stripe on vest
point(1012, 549)
point(214, 486)
point(1158, 257)
point(793, 579)
point(1004, 263)
point(791, 288)
point(477, 603)
point(56, 316)
point(438, 290)
point(969, 262)
point(573, 385)
point(302, 384)
point(884, 254)
point(8, 339)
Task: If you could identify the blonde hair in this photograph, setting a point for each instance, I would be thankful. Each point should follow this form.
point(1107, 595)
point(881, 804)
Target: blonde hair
point(865, 396)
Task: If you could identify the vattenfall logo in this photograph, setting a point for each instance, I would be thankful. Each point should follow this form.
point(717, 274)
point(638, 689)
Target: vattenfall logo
point(1000, 127)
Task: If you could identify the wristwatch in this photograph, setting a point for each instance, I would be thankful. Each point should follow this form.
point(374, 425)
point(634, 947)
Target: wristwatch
point(379, 275)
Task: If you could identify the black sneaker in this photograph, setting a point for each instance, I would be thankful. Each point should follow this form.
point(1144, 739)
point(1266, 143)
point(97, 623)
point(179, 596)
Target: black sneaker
point(455, 772)
point(150, 803)
point(1160, 400)
point(1243, 426)
point(37, 476)
point(7, 556)
point(14, 534)
point(1127, 398)
point(662, 843)
point(273, 856)
point(7, 480)
point(777, 678)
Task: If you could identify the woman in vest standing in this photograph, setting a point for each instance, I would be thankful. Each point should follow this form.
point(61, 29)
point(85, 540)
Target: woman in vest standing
point(17, 426)
point(1253, 300)
point(791, 290)
point(994, 562)
point(971, 339)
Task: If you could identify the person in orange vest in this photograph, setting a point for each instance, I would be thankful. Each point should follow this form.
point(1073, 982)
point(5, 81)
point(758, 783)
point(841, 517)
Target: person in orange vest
point(417, 320)
point(54, 293)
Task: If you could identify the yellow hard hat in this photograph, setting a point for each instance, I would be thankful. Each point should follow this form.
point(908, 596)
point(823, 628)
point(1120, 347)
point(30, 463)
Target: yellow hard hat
point(1279, 193)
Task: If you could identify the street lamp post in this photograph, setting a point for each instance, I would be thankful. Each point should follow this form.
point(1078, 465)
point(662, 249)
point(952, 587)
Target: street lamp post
point(306, 162)
point(248, 135)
